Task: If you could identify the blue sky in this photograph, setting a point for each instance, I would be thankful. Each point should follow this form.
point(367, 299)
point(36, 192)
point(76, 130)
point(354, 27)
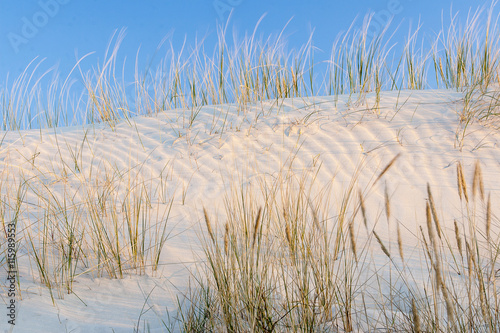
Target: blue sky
point(62, 30)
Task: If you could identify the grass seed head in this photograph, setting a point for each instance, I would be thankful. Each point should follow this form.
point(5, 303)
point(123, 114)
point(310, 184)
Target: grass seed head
point(428, 216)
point(473, 267)
point(464, 184)
point(458, 238)
point(400, 243)
point(416, 317)
point(449, 304)
point(226, 238)
point(288, 233)
point(387, 167)
point(433, 210)
point(363, 209)
point(477, 181)
point(209, 226)
point(382, 246)
point(256, 226)
point(353, 240)
point(459, 180)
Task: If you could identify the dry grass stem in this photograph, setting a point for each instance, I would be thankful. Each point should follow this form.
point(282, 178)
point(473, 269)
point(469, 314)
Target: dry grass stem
point(488, 218)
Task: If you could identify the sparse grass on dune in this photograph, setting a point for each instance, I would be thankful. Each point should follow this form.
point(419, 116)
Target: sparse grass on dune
point(275, 266)
point(75, 220)
point(282, 263)
point(285, 257)
point(251, 69)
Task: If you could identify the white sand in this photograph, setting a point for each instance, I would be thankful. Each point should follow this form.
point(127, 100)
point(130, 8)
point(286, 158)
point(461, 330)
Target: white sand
point(199, 165)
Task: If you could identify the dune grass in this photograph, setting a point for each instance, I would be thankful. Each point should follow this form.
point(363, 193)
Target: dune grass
point(282, 260)
point(242, 71)
point(282, 263)
point(98, 221)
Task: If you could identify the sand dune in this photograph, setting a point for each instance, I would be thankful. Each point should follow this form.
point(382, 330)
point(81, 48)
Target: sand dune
point(226, 146)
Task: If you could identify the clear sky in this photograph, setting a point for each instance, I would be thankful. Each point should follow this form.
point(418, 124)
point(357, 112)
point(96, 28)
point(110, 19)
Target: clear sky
point(62, 30)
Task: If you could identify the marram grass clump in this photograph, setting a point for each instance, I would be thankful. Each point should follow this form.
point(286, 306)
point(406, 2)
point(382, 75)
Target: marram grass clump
point(276, 269)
